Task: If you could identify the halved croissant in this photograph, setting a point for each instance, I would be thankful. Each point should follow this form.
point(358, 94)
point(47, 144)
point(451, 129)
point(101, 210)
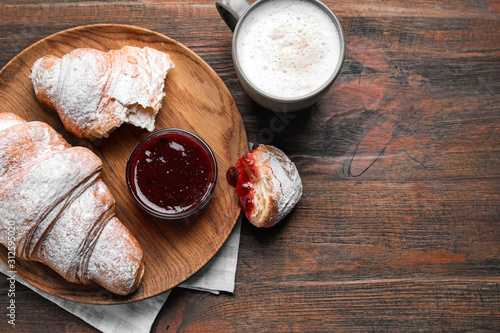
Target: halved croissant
point(267, 183)
point(63, 214)
point(95, 92)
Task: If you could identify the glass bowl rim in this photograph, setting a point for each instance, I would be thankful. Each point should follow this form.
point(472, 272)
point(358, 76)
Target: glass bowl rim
point(206, 196)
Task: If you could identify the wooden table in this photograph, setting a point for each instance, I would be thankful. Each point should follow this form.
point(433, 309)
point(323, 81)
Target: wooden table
point(399, 226)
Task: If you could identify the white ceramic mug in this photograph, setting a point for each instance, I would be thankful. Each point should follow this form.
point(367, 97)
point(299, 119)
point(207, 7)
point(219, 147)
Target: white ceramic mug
point(287, 53)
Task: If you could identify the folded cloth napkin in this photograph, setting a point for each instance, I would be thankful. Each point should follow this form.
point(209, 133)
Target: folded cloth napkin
point(138, 317)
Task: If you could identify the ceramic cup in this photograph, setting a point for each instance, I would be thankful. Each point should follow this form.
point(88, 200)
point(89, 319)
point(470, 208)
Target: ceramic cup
point(287, 53)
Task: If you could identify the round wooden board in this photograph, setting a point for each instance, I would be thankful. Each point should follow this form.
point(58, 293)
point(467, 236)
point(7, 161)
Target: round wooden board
point(196, 100)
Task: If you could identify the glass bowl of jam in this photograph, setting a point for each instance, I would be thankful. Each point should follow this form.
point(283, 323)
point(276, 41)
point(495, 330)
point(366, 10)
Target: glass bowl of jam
point(171, 173)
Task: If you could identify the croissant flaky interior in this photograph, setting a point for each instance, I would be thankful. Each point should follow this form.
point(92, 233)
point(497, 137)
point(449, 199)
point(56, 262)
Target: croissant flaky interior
point(55, 208)
point(95, 92)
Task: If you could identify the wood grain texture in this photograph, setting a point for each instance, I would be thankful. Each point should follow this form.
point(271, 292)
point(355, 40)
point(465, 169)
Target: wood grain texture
point(398, 229)
point(196, 101)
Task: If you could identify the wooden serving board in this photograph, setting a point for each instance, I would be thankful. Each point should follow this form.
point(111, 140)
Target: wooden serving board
point(196, 100)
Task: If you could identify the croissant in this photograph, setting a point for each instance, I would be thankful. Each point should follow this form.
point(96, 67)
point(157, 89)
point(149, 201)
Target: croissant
point(95, 92)
point(267, 184)
point(63, 215)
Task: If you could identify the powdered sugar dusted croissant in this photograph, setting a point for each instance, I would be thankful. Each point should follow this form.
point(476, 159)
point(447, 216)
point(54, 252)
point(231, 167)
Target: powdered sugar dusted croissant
point(63, 214)
point(267, 183)
point(94, 92)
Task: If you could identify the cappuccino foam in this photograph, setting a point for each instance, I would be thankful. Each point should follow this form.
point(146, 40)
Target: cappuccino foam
point(288, 48)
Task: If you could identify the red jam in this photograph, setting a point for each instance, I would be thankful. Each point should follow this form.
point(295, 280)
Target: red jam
point(239, 178)
point(232, 176)
point(171, 173)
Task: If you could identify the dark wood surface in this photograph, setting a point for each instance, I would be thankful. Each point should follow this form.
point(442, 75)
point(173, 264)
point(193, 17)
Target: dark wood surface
point(399, 226)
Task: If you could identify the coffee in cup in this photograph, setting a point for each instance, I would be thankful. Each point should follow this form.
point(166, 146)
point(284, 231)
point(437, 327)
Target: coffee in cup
point(287, 53)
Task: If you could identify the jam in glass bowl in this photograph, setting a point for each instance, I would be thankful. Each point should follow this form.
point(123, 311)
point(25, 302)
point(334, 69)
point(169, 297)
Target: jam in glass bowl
point(171, 173)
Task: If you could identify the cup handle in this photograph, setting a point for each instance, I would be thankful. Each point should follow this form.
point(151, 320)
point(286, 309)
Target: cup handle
point(231, 11)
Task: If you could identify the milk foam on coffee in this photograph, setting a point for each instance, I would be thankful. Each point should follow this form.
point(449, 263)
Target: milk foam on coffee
point(288, 48)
